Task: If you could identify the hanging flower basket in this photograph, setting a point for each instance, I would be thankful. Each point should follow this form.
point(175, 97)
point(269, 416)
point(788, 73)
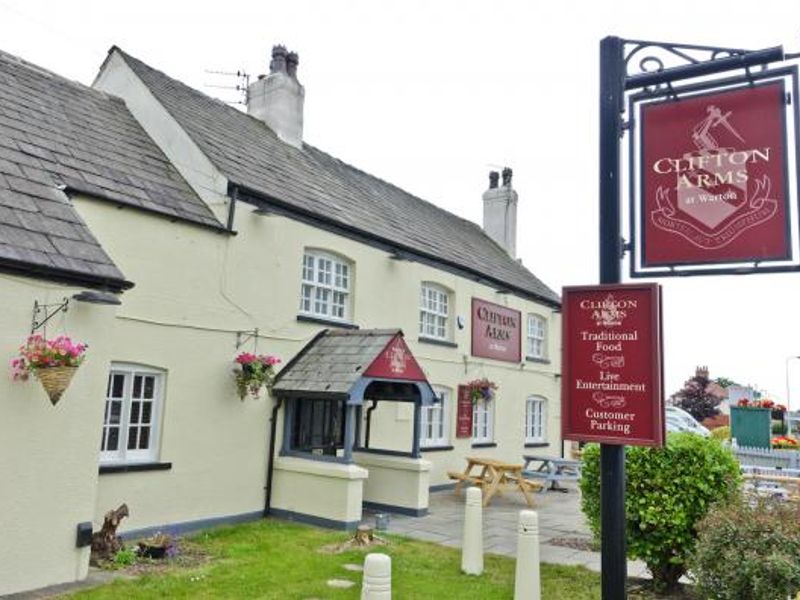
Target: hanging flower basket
point(481, 389)
point(254, 373)
point(55, 381)
point(53, 362)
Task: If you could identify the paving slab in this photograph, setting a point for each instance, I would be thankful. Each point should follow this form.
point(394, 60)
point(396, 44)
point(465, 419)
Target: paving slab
point(559, 516)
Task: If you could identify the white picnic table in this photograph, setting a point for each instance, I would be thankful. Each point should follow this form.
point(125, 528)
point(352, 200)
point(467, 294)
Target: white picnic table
point(552, 469)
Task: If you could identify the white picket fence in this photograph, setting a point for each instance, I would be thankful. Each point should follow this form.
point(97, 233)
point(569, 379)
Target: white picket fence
point(765, 457)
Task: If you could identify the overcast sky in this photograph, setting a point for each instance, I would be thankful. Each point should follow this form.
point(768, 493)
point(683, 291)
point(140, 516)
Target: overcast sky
point(431, 95)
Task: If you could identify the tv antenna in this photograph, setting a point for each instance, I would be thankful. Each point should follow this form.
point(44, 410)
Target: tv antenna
point(241, 87)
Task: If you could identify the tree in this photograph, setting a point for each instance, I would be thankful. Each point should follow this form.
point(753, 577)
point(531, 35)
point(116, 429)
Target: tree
point(697, 396)
point(725, 382)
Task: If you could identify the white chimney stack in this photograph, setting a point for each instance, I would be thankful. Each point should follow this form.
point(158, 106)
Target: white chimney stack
point(277, 99)
point(500, 212)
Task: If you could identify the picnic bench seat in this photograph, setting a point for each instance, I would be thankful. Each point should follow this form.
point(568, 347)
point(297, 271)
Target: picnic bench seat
point(462, 478)
point(529, 484)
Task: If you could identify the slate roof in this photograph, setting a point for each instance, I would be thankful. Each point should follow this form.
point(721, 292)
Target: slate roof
point(308, 180)
point(58, 136)
point(333, 361)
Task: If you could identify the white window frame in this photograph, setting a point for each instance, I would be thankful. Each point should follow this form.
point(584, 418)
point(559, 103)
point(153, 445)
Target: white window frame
point(483, 421)
point(434, 312)
point(536, 337)
point(434, 428)
point(324, 277)
point(535, 420)
point(122, 454)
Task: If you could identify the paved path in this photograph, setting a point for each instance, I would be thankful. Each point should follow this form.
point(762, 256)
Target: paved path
point(560, 516)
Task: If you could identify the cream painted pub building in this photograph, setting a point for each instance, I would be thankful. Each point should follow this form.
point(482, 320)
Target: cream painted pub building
point(170, 232)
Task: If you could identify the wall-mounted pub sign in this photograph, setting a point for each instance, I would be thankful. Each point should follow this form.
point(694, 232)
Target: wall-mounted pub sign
point(464, 413)
point(611, 371)
point(714, 177)
point(496, 331)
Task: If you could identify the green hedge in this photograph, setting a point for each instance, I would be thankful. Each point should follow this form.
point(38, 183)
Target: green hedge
point(748, 552)
point(669, 490)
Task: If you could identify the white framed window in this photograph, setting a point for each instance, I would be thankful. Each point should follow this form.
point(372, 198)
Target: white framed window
point(325, 290)
point(537, 337)
point(434, 425)
point(535, 420)
point(483, 421)
point(434, 310)
point(134, 398)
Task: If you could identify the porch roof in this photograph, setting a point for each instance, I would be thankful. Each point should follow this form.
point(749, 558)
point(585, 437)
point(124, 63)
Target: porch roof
point(341, 363)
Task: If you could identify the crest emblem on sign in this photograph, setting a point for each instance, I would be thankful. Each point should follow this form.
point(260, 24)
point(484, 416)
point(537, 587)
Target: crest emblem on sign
point(397, 359)
point(716, 196)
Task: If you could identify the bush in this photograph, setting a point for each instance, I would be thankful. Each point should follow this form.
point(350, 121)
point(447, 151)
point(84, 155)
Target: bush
point(748, 552)
point(669, 490)
point(125, 557)
point(721, 433)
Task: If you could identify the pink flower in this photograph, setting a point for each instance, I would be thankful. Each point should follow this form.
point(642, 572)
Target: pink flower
point(246, 358)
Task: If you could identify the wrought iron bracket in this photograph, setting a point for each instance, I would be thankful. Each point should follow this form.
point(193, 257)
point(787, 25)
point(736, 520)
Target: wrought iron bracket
point(42, 313)
point(653, 66)
point(242, 337)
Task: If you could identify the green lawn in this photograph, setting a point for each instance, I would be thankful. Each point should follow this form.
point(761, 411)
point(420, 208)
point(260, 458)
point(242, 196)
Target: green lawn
point(275, 559)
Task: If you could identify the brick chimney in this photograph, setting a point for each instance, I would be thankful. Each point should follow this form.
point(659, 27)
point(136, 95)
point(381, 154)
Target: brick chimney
point(277, 98)
point(500, 211)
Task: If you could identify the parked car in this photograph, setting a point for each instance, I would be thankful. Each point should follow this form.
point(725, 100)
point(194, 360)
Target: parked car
point(680, 420)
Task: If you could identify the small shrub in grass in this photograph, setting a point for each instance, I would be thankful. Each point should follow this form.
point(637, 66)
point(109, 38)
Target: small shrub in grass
point(125, 557)
point(668, 491)
point(748, 552)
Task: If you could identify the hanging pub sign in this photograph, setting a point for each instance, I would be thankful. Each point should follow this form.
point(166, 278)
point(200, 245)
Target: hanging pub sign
point(611, 380)
point(464, 413)
point(496, 331)
point(714, 177)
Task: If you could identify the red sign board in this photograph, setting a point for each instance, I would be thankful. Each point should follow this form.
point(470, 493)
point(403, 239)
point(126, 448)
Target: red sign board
point(714, 178)
point(611, 381)
point(464, 413)
point(496, 331)
point(396, 362)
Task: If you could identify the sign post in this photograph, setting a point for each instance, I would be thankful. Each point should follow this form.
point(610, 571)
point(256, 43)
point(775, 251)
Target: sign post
point(617, 56)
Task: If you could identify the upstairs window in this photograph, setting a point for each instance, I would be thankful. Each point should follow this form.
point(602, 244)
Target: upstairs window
point(434, 310)
point(535, 420)
point(134, 396)
point(537, 337)
point(325, 291)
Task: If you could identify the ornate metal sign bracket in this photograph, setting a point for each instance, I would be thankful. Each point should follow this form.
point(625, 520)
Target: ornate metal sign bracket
point(42, 313)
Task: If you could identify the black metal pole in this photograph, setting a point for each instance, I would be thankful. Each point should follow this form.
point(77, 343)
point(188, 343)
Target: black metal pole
point(612, 458)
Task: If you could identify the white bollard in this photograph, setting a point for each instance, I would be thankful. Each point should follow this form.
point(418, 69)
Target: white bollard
point(526, 583)
point(377, 582)
point(472, 546)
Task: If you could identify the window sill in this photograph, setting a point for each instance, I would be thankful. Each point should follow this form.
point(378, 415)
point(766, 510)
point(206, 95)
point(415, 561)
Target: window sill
point(435, 448)
point(484, 445)
point(436, 342)
point(324, 321)
point(134, 467)
point(541, 361)
point(537, 444)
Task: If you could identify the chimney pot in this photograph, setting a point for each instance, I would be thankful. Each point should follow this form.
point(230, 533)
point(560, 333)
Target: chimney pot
point(292, 60)
point(278, 62)
point(494, 177)
point(507, 173)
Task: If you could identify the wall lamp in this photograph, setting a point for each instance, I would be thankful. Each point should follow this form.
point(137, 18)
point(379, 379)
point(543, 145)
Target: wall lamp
point(97, 297)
